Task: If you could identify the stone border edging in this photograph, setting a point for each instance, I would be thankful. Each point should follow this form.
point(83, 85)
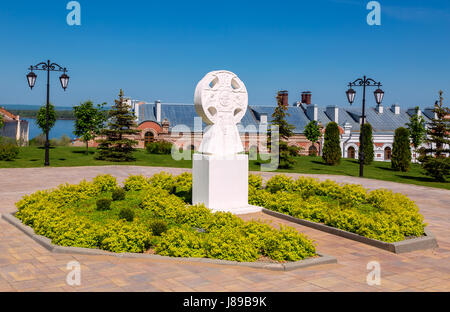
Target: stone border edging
point(408, 245)
point(47, 243)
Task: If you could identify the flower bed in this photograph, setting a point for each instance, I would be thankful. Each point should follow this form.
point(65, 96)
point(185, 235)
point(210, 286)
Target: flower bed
point(379, 214)
point(154, 215)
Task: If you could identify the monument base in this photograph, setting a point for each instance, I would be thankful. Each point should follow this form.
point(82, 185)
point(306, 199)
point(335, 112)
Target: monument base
point(221, 183)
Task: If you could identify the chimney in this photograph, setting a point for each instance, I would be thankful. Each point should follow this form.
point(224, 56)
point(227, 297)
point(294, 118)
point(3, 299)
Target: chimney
point(158, 110)
point(333, 113)
point(263, 119)
point(380, 109)
point(347, 128)
point(395, 109)
point(165, 126)
point(284, 97)
point(306, 97)
point(312, 112)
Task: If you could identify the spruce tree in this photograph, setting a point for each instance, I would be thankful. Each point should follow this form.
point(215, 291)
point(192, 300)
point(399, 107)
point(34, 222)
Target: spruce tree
point(118, 144)
point(287, 153)
point(332, 147)
point(401, 150)
point(368, 144)
point(434, 159)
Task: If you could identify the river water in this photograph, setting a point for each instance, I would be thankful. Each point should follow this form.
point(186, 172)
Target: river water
point(61, 127)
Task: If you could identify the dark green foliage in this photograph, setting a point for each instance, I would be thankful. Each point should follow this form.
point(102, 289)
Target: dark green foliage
point(103, 204)
point(285, 130)
point(401, 150)
point(438, 168)
point(8, 150)
point(437, 164)
point(89, 121)
point(118, 194)
point(158, 227)
point(368, 144)
point(118, 144)
point(332, 148)
point(127, 214)
point(41, 118)
point(159, 148)
point(2, 123)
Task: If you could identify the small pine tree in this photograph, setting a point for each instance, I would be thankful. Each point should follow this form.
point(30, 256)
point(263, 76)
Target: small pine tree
point(401, 150)
point(438, 131)
point(117, 145)
point(368, 144)
point(332, 147)
point(287, 153)
point(312, 131)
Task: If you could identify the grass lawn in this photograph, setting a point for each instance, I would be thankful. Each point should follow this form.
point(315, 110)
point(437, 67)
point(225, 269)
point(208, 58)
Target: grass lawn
point(74, 156)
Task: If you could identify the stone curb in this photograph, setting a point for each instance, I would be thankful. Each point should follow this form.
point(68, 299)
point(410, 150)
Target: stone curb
point(426, 242)
point(46, 243)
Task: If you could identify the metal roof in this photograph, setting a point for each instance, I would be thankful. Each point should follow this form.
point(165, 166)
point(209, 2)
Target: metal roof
point(184, 114)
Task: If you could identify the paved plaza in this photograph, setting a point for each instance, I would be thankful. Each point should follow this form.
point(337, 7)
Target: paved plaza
point(26, 266)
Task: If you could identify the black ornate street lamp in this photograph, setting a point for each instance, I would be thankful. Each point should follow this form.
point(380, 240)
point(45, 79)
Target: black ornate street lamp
point(379, 94)
point(64, 79)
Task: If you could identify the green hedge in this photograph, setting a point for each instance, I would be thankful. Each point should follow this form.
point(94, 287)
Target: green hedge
point(162, 221)
point(379, 214)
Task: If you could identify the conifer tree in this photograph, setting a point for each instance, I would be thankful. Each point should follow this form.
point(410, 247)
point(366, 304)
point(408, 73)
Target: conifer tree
point(332, 147)
point(118, 144)
point(368, 144)
point(434, 159)
point(401, 150)
point(417, 130)
point(287, 153)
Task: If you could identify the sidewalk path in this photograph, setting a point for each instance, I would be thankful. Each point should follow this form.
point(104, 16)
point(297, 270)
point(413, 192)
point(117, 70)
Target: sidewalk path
point(26, 266)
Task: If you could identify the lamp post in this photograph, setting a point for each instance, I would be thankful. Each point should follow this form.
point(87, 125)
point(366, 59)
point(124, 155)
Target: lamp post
point(64, 79)
point(379, 94)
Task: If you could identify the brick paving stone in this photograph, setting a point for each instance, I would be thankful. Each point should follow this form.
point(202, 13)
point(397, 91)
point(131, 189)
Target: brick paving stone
point(27, 266)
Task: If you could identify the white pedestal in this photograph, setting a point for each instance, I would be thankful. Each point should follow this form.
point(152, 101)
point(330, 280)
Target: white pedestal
point(222, 183)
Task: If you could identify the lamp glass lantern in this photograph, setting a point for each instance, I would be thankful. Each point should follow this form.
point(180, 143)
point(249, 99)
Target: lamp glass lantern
point(31, 78)
point(379, 94)
point(64, 81)
point(351, 95)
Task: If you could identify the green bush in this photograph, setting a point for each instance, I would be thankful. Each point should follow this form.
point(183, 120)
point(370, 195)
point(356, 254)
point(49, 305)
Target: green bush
point(379, 214)
point(104, 204)
point(438, 168)
point(158, 227)
point(8, 151)
point(118, 194)
point(332, 147)
point(105, 183)
point(401, 150)
point(69, 217)
point(183, 187)
point(126, 213)
point(255, 181)
point(159, 148)
point(136, 183)
point(368, 144)
point(164, 180)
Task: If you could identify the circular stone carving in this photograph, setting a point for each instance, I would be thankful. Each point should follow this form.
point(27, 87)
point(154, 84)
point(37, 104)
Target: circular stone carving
point(221, 95)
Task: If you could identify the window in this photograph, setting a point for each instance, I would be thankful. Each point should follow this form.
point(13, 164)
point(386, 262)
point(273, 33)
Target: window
point(387, 153)
point(351, 152)
point(312, 150)
point(149, 137)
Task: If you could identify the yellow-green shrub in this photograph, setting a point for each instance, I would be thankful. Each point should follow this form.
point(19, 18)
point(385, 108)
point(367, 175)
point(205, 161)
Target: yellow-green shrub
point(105, 183)
point(136, 183)
point(181, 242)
point(164, 180)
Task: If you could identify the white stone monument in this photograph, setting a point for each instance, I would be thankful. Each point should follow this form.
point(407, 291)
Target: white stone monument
point(220, 169)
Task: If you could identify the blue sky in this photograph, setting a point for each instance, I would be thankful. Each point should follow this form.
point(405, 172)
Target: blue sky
point(161, 49)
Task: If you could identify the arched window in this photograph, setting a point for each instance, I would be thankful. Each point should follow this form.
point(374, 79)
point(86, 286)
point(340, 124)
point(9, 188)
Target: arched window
point(351, 152)
point(312, 150)
point(387, 153)
point(149, 137)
